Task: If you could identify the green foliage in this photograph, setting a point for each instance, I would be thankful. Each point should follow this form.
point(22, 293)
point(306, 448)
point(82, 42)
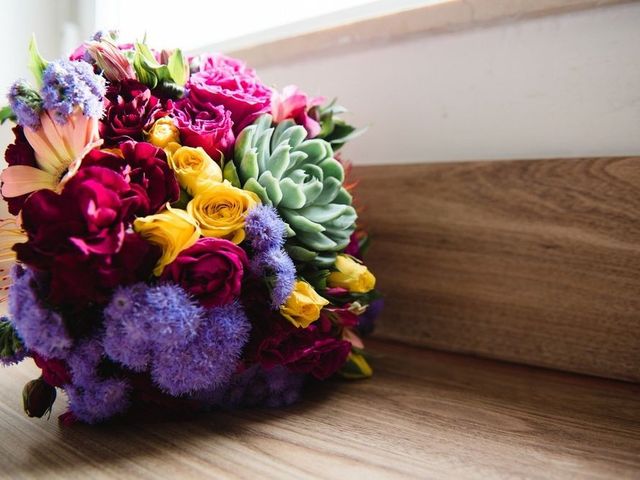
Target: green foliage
point(170, 78)
point(7, 114)
point(332, 128)
point(10, 343)
point(302, 180)
point(37, 64)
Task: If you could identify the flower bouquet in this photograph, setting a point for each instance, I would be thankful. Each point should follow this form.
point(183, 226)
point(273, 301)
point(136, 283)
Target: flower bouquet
point(184, 235)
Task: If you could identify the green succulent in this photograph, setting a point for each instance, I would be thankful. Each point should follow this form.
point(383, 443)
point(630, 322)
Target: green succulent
point(302, 180)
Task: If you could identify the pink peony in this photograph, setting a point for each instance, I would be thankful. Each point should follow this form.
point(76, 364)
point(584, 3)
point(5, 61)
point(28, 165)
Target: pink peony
point(211, 270)
point(228, 82)
point(294, 104)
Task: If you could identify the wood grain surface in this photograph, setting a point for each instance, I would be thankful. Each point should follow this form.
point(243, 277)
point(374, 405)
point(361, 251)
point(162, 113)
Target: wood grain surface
point(528, 261)
point(424, 414)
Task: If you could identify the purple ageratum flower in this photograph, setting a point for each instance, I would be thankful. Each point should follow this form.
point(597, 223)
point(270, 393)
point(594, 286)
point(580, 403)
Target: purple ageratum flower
point(41, 329)
point(83, 361)
point(210, 359)
point(99, 400)
point(26, 104)
point(265, 229)
point(68, 84)
point(141, 318)
point(280, 271)
point(257, 386)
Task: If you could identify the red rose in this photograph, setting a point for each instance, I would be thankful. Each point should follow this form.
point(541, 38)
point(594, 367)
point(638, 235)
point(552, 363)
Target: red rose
point(211, 270)
point(130, 109)
point(145, 167)
point(228, 82)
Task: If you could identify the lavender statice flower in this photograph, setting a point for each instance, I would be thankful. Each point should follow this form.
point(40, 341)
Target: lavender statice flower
point(210, 359)
point(280, 272)
point(265, 229)
point(41, 329)
point(68, 84)
point(141, 318)
point(26, 104)
point(99, 400)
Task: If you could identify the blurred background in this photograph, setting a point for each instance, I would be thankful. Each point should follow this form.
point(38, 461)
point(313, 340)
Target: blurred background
point(438, 80)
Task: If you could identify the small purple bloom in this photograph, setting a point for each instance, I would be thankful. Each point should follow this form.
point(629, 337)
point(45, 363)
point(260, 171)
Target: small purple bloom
point(67, 84)
point(83, 361)
point(40, 328)
point(265, 229)
point(209, 360)
point(280, 272)
point(26, 104)
point(99, 400)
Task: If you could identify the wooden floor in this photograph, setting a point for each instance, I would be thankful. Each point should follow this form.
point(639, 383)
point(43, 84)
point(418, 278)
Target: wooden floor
point(424, 414)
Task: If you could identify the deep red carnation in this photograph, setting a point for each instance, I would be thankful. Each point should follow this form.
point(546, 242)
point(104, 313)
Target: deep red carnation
point(19, 153)
point(145, 168)
point(305, 350)
point(54, 370)
point(78, 236)
point(228, 82)
point(130, 109)
point(211, 270)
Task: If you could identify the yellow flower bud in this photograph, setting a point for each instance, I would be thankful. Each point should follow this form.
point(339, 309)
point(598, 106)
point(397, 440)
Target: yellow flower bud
point(303, 306)
point(351, 275)
point(194, 168)
point(173, 230)
point(220, 210)
point(163, 132)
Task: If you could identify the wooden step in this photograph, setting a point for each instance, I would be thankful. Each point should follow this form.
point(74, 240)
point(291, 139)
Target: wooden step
point(532, 261)
point(424, 414)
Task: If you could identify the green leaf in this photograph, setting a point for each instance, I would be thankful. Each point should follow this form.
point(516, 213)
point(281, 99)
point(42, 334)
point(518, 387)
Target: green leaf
point(37, 64)
point(356, 367)
point(230, 173)
point(7, 114)
point(10, 343)
point(178, 67)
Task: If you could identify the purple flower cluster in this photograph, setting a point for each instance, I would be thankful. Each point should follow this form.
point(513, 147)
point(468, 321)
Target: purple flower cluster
point(67, 84)
point(26, 104)
point(257, 386)
point(40, 328)
point(92, 398)
point(266, 232)
point(188, 348)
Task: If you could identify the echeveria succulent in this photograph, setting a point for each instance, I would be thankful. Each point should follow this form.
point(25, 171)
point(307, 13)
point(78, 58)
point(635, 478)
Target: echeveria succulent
point(299, 177)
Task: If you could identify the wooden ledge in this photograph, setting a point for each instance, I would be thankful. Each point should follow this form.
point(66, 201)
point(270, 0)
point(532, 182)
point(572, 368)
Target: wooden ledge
point(424, 414)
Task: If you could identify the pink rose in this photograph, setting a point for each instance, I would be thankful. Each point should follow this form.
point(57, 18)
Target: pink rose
point(211, 270)
point(204, 124)
point(228, 82)
point(294, 104)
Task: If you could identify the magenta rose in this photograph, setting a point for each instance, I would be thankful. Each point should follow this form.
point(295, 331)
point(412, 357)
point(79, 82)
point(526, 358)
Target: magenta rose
point(19, 153)
point(211, 270)
point(146, 169)
point(80, 237)
point(228, 82)
point(205, 125)
point(305, 350)
point(130, 109)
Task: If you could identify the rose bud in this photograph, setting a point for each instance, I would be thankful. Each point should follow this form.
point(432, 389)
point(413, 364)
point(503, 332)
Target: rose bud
point(38, 397)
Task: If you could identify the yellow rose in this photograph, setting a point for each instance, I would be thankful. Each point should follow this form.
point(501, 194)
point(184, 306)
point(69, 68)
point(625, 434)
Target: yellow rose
point(351, 275)
point(195, 170)
point(220, 211)
point(303, 306)
point(163, 132)
point(173, 230)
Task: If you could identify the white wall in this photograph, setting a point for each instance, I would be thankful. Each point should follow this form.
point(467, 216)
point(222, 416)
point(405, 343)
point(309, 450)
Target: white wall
point(559, 86)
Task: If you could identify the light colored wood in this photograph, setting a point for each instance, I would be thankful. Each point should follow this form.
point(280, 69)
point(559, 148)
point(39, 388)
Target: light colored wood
point(535, 262)
point(424, 415)
point(270, 48)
